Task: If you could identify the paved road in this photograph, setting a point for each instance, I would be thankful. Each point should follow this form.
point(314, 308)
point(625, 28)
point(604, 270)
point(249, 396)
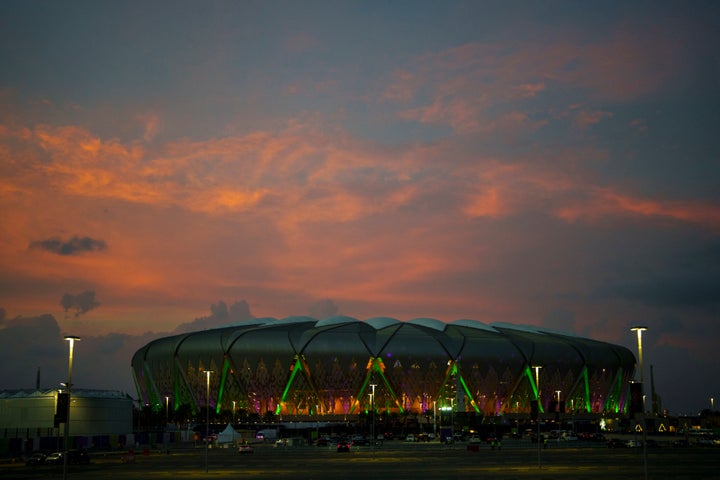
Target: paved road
point(396, 462)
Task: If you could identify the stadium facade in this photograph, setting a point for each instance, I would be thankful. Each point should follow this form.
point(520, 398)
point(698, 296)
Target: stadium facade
point(342, 366)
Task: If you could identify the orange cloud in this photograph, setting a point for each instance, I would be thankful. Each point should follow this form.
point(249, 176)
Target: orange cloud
point(606, 202)
point(467, 85)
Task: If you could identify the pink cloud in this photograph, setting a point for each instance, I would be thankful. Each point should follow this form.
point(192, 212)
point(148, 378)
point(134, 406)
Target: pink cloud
point(607, 202)
point(586, 118)
point(465, 84)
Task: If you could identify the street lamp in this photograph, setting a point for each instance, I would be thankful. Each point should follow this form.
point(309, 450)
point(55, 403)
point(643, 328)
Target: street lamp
point(537, 385)
point(167, 410)
point(452, 421)
point(207, 417)
point(435, 419)
point(638, 330)
point(71, 339)
point(372, 406)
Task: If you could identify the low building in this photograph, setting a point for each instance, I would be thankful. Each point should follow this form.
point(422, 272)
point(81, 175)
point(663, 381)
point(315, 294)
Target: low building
point(28, 418)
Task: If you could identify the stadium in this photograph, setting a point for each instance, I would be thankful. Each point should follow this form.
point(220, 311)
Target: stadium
point(300, 367)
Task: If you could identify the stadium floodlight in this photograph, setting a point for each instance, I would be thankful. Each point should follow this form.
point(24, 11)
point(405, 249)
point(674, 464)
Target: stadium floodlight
point(71, 345)
point(207, 417)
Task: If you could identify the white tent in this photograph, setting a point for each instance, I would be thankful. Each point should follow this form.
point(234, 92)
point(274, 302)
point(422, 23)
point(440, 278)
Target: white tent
point(228, 435)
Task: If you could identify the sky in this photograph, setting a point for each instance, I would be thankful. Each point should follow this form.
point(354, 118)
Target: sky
point(175, 165)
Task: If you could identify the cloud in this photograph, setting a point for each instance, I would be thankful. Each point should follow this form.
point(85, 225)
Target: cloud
point(606, 201)
point(323, 309)
point(687, 280)
point(150, 122)
point(219, 316)
point(469, 87)
point(94, 356)
point(81, 303)
point(73, 246)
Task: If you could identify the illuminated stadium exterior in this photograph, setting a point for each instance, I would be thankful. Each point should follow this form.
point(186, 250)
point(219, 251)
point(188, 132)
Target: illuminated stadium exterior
point(299, 367)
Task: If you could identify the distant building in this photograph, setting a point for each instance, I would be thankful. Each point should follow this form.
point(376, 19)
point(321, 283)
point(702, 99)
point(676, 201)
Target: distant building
point(28, 417)
point(342, 366)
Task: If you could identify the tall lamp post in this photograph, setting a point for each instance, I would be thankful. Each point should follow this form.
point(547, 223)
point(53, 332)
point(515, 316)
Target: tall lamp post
point(638, 330)
point(372, 406)
point(207, 417)
point(71, 339)
point(435, 419)
point(537, 421)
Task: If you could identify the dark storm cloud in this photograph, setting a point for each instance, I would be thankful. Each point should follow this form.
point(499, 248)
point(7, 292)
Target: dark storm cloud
point(220, 315)
point(323, 309)
point(689, 279)
point(36, 343)
point(27, 344)
point(680, 290)
point(74, 246)
point(81, 303)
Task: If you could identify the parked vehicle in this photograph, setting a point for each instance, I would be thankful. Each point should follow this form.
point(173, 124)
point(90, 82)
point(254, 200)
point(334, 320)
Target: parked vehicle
point(77, 457)
point(55, 458)
point(36, 459)
point(245, 448)
point(616, 443)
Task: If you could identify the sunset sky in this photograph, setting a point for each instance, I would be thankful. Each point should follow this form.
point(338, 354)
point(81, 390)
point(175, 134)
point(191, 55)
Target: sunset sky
point(545, 163)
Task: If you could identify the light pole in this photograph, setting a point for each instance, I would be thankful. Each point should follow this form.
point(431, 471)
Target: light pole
point(435, 419)
point(712, 403)
point(557, 408)
point(167, 410)
point(638, 330)
point(372, 406)
point(207, 417)
point(537, 385)
point(452, 421)
point(71, 339)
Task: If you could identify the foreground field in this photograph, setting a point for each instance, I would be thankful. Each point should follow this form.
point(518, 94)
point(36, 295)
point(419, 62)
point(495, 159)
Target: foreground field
point(396, 461)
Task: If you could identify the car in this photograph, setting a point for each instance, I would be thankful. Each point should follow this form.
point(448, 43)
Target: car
point(343, 447)
point(78, 457)
point(245, 448)
point(36, 459)
point(616, 443)
point(634, 444)
point(55, 458)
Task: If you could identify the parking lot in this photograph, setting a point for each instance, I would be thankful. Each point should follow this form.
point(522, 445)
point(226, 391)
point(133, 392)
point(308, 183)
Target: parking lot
point(397, 461)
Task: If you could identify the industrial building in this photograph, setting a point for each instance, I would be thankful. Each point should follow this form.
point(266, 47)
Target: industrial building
point(341, 366)
point(28, 419)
